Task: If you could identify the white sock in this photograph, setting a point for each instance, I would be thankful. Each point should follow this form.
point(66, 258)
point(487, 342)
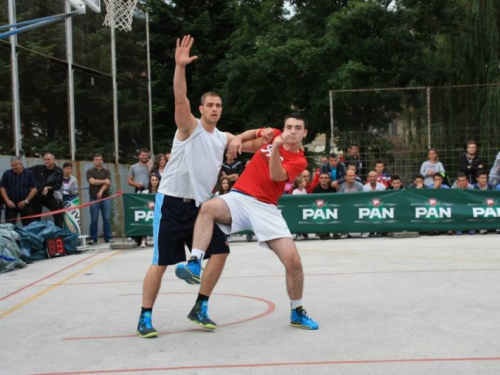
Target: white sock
point(198, 253)
point(295, 303)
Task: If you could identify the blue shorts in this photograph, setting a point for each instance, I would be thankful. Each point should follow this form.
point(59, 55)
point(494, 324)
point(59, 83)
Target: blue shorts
point(173, 228)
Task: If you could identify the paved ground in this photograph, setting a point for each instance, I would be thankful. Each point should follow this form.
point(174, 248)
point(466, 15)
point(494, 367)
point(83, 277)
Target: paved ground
point(427, 305)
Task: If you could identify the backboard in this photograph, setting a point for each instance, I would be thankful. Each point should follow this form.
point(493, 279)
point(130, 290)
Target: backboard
point(80, 5)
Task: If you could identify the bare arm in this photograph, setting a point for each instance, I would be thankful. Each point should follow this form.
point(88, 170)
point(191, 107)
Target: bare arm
point(130, 181)
point(248, 141)
point(276, 170)
point(183, 117)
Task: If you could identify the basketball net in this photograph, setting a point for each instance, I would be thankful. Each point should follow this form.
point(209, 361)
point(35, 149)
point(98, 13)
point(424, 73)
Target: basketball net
point(119, 14)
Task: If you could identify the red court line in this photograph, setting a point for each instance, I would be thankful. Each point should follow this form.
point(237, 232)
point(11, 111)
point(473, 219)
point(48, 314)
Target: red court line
point(307, 275)
point(277, 364)
point(270, 308)
point(47, 277)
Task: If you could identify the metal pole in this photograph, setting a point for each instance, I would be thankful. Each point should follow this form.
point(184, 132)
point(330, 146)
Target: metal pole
point(332, 122)
point(16, 111)
point(429, 143)
point(71, 88)
point(115, 94)
point(150, 96)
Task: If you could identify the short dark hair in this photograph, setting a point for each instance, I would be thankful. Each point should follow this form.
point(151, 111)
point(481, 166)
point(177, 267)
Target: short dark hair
point(379, 162)
point(67, 164)
point(209, 93)
point(438, 174)
point(143, 150)
point(296, 115)
point(328, 174)
point(97, 155)
point(333, 155)
point(418, 175)
point(353, 145)
point(461, 174)
point(395, 177)
point(481, 172)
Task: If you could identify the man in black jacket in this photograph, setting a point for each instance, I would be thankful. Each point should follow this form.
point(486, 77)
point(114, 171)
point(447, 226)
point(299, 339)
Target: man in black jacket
point(335, 169)
point(470, 164)
point(49, 177)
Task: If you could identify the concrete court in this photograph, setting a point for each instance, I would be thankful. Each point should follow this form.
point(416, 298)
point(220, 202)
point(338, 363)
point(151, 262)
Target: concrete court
point(427, 305)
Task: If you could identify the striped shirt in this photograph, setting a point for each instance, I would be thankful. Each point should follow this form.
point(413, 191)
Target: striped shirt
point(18, 186)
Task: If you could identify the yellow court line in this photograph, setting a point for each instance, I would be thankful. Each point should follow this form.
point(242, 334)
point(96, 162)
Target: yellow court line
point(59, 283)
point(347, 252)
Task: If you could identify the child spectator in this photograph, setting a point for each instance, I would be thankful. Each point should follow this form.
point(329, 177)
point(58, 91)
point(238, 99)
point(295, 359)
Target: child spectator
point(299, 186)
point(431, 167)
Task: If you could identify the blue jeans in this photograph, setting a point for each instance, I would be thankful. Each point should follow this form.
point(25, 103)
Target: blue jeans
point(105, 208)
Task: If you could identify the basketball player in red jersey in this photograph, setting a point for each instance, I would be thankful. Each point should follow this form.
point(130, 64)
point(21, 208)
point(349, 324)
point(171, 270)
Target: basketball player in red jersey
point(252, 205)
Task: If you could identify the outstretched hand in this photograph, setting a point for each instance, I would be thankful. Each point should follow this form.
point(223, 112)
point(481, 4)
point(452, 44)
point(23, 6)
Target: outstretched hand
point(182, 51)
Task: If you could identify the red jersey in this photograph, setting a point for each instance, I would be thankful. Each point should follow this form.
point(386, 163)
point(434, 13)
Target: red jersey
point(256, 179)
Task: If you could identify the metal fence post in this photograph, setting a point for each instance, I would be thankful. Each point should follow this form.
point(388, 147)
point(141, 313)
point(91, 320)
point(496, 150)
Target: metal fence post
point(429, 143)
point(16, 111)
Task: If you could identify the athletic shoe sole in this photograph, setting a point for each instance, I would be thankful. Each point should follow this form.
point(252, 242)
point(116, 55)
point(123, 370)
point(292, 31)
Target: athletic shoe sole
point(148, 335)
point(186, 275)
point(298, 325)
point(209, 327)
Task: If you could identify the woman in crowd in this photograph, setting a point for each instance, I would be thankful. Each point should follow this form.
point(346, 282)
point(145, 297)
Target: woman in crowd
point(431, 167)
point(154, 182)
point(159, 165)
point(225, 186)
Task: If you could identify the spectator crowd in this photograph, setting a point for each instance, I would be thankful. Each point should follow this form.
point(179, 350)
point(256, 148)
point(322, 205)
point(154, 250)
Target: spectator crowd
point(26, 191)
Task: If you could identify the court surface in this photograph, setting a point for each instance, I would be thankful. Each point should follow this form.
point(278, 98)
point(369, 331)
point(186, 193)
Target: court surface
point(427, 305)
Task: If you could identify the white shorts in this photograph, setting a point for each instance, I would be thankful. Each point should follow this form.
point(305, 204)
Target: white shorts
point(247, 213)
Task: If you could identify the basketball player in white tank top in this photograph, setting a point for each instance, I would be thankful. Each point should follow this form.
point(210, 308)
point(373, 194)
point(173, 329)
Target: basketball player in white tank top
point(170, 231)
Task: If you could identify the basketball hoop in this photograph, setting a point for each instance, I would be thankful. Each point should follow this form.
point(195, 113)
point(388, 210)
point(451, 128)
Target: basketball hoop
point(120, 14)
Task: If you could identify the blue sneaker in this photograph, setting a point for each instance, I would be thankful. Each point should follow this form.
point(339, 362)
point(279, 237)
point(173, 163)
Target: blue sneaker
point(199, 315)
point(145, 327)
point(189, 272)
point(300, 319)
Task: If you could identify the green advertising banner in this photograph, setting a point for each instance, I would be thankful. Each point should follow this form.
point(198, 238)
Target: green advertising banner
point(139, 209)
point(387, 211)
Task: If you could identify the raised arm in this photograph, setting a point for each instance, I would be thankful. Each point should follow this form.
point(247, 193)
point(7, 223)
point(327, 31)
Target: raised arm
point(249, 141)
point(276, 170)
point(183, 117)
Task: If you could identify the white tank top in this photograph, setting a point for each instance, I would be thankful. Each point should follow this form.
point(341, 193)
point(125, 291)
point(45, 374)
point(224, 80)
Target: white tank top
point(194, 165)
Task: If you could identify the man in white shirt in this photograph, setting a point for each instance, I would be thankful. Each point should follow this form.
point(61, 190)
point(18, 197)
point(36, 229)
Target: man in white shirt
point(373, 184)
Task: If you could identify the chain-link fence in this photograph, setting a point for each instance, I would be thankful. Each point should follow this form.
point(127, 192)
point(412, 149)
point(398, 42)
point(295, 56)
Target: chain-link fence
point(398, 126)
point(43, 85)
